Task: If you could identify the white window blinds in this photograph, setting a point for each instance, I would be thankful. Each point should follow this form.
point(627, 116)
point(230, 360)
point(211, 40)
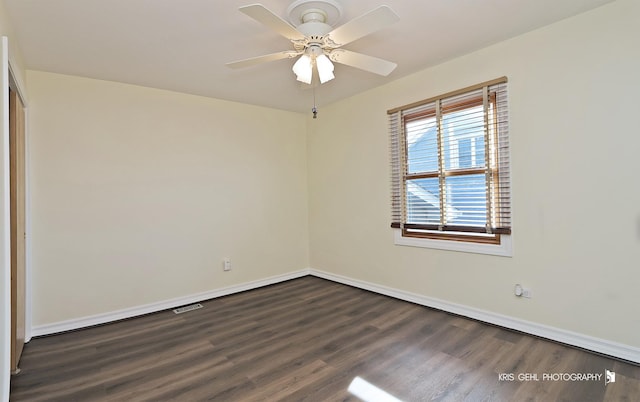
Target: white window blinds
point(450, 162)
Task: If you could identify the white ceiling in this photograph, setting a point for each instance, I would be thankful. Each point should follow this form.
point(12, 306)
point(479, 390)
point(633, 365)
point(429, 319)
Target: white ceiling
point(183, 45)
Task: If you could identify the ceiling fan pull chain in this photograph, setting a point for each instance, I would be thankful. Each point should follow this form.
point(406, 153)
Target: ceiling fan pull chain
point(314, 110)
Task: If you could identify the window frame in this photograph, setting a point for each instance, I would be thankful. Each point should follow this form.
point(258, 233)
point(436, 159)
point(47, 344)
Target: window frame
point(443, 233)
point(504, 249)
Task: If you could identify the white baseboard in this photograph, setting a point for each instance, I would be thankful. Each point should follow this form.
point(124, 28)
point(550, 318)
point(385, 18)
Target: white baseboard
point(98, 319)
point(597, 345)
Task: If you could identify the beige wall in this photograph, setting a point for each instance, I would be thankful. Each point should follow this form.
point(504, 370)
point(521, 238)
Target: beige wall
point(138, 194)
point(576, 199)
point(15, 54)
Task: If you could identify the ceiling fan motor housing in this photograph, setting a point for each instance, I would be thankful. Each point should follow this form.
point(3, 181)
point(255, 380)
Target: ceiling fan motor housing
point(314, 19)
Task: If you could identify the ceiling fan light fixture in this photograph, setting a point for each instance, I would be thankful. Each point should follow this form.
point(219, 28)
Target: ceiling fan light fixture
point(325, 68)
point(303, 69)
point(313, 37)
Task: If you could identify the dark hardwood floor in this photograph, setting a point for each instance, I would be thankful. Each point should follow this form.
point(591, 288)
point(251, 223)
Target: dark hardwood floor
point(307, 339)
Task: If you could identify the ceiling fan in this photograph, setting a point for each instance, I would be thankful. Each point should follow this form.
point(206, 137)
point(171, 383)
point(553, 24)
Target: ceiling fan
point(315, 40)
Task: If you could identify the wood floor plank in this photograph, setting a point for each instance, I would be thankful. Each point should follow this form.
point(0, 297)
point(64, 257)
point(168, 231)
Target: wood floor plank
point(306, 340)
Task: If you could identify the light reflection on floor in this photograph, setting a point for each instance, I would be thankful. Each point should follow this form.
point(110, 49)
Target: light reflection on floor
point(369, 392)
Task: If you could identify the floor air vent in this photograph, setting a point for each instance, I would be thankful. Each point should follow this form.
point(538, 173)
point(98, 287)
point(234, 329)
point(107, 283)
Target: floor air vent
point(184, 309)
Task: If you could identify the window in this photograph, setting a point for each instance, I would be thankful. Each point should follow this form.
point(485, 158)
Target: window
point(450, 166)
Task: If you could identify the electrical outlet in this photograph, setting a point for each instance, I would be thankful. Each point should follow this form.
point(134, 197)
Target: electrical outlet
point(527, 293)
point(226, 264)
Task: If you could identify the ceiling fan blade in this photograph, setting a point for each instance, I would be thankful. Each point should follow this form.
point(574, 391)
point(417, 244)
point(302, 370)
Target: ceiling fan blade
point(370, 22)
point(266, 17)
point(288, 54)
point(362, 61)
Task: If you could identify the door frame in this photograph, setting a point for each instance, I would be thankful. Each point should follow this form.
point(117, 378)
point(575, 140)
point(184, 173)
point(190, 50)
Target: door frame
point(16, 83)
point(17, 195)
point(10, 74)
